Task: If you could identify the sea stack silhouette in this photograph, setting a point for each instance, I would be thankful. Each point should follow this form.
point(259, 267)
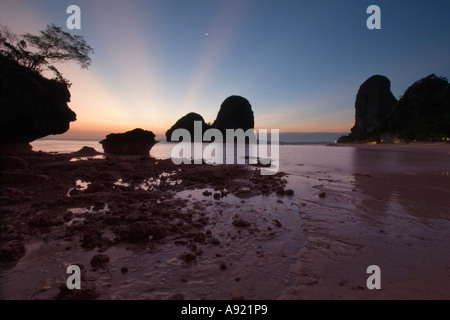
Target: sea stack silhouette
point(187, 122)
point(373, 102)
point(421, 114)
point(235, 113)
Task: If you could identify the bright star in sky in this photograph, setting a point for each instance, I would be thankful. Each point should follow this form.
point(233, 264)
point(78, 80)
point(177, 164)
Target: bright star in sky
point(299, 63)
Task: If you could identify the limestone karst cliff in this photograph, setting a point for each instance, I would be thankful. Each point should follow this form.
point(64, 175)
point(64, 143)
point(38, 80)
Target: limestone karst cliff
point(32, 107)
point(235, 113)
point(422, 113)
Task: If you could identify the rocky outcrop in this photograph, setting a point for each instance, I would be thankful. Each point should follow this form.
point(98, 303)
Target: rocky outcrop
point(235, 113)
point(135, 142)
point(422, 113)
point(85, 152)
point(187, 122)
point(32, 107)
point(373, 102)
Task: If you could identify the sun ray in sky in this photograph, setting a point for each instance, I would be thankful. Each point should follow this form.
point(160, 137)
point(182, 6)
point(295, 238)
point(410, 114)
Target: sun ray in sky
point(132, 61)
point(299, 63)
point(221, 31)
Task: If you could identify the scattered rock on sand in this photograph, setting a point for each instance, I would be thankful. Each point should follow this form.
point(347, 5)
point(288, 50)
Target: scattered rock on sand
point(91, 239)
point(99, 261)
point(82, 294)
point(236, 295)
point(176, 296)
point(135, 232)
point(289, 192)
point(12, 251)
point(112, 220)
point(134, 216)
point(187, 257)
point(94, 187)
point(207, 193)
point(241, 223)
point(277, 223)
point(158, 232)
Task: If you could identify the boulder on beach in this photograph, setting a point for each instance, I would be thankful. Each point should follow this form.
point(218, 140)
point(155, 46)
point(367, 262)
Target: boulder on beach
point(85, 152)
point(135, 142)
point(99, 261)
point(32, 107)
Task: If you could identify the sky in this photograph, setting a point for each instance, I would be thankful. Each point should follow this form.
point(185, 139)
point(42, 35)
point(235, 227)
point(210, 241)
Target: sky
point(300, 63)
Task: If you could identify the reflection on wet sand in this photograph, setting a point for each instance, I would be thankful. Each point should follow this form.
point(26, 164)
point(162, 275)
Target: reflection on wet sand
point(379, 207)
point(414, 183)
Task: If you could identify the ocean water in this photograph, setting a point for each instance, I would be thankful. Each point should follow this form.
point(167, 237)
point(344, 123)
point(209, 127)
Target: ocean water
point(293, 158)
point(161, 150)
point(64, 146)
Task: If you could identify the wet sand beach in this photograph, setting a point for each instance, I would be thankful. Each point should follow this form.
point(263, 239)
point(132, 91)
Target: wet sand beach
point(391, 212)
point(226, 232)
point(416, 147)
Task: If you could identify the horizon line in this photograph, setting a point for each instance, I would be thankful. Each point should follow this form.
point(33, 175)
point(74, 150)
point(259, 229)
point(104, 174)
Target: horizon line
point(61, 137)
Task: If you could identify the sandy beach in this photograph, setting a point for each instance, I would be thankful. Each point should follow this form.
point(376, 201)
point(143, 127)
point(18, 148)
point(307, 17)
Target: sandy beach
point(416, 147)
point(226, 232)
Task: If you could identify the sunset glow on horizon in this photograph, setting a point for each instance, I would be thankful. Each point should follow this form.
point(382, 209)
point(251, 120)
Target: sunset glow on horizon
point(299, 63)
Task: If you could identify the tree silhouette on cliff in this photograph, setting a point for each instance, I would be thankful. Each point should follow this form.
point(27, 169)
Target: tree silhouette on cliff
point(40, 52)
